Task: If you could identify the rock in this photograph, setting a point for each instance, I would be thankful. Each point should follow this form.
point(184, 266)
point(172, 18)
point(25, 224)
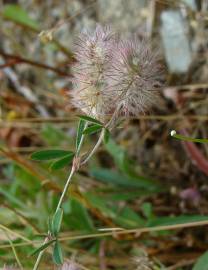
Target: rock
point(174, 32)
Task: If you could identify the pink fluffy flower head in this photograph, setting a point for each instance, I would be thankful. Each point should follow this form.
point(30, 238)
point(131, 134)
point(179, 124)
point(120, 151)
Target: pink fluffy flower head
point(92, 53)
point(114, 77)
point(134, 77)
point(69, 266)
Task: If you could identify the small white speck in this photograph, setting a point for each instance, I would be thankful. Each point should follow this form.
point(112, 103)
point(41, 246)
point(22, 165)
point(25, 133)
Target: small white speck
point(110, 229)
point(173, 132)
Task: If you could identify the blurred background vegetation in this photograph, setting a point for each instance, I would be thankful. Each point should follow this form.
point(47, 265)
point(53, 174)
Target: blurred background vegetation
point(141, 177)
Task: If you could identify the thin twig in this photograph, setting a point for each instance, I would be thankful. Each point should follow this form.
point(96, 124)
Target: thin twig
point(181, 264)
point(16, 59)
point(13, 249)
point(120, 231)
point(137, 231)
point(16, 234)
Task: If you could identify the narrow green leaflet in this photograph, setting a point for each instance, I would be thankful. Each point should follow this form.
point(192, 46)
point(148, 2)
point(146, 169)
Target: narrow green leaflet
point(106, 136)
point(147, 210)
point(26, 180)
point(126, 166)
point(188, 139)
point(81, 127)
point(119, 154)
point(90, 119)
point(202, 262)
point(57, 254)
point(49, 154)
point(125, 217)
point(165, 221)
point(126, 194)
point(56, 221)
point(78, 217)
point(17, 14)
point(92, 129)
point(61, 163)
point(53, 136)
point(120, 179)
point(44, 246)
point(11, 198)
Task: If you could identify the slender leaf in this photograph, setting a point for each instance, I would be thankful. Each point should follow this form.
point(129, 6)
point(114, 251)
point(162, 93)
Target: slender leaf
point(202, 262)
point(127, 194)
point(146, 208)
point(81, 127)
point(11, 198)
point(125, 217)
point(78, 217)
point(90, 119)
point(49, 154)
point(53, 136)
point(128, 218)
point(26, 180)
point(106, 136)
point(17, 14)
point(188, 139)
point(119, 155)
point(44, 246)
point(126, 166)
point(92, 129)
point(164, 221)
point(120, 179)
point(63, 162)
point(57, 254)
point(56, 221)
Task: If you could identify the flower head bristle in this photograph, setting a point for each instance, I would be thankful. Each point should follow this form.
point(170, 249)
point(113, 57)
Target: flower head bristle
point(135, 77)
point(114, 77)
point(93, 55)
point(69, 266)
point(143, 262)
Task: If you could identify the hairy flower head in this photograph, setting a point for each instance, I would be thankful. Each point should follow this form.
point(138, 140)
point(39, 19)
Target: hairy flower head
point(69, 266)
point(8, 268)
point(134, 77)
point(143, 262)
point(92, 53)
point(114, 77)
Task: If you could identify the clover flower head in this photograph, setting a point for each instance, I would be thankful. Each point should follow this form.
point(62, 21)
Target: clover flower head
point(69, 266)
point(134, 77)
point(92, 53)
point(8, 268)
point(143, 262)
point(114, 77)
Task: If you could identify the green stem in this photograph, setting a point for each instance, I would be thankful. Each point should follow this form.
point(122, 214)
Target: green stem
point(58, 206)
point(95, 147)
point(73, 170)
point(81, 141)
point(39, 256)
point(62, 197)
point(65, 188)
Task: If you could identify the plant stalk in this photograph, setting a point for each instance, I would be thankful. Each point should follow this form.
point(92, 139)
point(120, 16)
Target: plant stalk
point(73, 170)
